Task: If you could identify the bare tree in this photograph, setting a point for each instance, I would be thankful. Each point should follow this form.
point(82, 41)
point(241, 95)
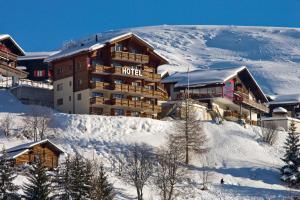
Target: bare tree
point(36, 124)
point(206, 173)
point(190, 135)
point(168, 171)
point(6, 125)
point(269, 133)
point(138, 167)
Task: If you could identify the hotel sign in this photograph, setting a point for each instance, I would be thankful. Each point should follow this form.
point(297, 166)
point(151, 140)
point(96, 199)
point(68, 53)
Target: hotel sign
point(131, 71)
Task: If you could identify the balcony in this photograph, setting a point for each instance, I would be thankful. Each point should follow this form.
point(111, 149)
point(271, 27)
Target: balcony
point(127, 103)
point(102, 69)
point(199, 96)
point(99, 100)
point(147, 107)
point(129, 57)
point(100, 85)
point(240, 97)
point(6, 54)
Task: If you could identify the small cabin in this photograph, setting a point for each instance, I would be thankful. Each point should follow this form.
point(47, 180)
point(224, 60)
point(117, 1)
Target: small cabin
point(27, 153)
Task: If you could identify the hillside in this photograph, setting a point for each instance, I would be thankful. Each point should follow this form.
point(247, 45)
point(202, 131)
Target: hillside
point(271, 54)
point(248, 166)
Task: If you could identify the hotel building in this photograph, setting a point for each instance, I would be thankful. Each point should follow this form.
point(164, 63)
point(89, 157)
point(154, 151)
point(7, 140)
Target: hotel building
point(108, 74)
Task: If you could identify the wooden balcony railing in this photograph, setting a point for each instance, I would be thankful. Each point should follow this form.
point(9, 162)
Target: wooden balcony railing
point(100, 85)
point(131, 57)
point(199, 96)
point(6, 54)
point(240, 97)
point(99, 100)
point(118, 71)
point(127, 103)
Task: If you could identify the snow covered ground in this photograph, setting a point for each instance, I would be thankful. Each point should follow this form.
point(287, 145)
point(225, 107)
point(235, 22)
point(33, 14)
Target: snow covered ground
point(272, 54)
point(248, 166)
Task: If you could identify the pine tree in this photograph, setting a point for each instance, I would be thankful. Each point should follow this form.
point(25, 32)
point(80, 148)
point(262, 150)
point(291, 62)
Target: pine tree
point(102, 189)
point(39, 186)
point(290, 171)
point(7, 175)
point(80, 180)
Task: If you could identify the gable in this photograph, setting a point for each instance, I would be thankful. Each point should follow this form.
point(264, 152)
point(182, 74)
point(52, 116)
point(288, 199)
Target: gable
point(11, 44)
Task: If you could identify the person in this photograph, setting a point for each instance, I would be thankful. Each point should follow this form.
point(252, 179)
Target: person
point(222, 181)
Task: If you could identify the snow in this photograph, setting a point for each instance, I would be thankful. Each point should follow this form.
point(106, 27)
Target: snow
point(248, 166)
point(286, 99)
point(279, 110)
point(202, 77)
point(6, 36)
point(36, 55)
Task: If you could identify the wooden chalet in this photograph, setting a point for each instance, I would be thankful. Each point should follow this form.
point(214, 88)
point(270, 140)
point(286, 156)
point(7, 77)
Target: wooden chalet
point(108, 74)
point(9, 51)
point(27, 153)
point(232, 93)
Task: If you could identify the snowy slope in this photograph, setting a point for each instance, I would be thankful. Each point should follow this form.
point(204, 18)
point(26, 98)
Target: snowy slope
point(272, 54)
point(249, 167)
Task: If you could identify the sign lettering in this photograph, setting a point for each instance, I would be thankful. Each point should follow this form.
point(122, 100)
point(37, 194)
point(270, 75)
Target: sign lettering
point(131, 71)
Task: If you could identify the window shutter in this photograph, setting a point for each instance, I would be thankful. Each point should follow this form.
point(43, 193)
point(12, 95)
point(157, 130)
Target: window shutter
point(35, 73)
point(43, 73)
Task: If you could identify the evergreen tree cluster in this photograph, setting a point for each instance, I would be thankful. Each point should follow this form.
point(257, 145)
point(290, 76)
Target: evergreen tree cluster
point(77, 178)
point(291, 170)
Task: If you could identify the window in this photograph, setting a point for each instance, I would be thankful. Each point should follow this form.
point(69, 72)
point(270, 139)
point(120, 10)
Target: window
point(116, 64)
point(119, 112)
point(134, 98)
point(70, 98)
point(136, 83)
point(118, 47)
point(149, 87)
point(70, 83)
point(79, 96)
point(79, 82)
point(97, 94)
point(135, 114)
point(118, 96)
point(97, 79)
point(59, 70)
point(39, 73)
point(117, 81)
point(59, 87)
point(79, 65)
point(60, 101)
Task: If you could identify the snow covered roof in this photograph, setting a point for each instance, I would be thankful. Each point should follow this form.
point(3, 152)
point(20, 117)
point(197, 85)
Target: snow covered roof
point(37, 55)
point(23, 148)
point(94, 42)
point(286, 99)
point(6, 36)
point(279, 110)
point(199, 78)
point(202, 77)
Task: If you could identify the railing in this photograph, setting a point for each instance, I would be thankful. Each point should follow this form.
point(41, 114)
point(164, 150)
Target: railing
point(127, 103)
point(128, 88)
point(199, 96)
point(7, 82)
point(118, 70)
point(99, 100)
point(244, 98)
point(132, 57)
point(100, 85)
point(4, 52)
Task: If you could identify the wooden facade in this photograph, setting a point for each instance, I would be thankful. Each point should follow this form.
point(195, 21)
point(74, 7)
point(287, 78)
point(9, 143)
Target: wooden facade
point(9, 51)
point(28, 154)
point(124, 70)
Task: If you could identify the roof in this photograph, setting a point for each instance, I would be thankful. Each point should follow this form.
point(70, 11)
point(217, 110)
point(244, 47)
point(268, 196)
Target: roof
point(23, 148)
point(286, 99)
point(202, 77)
point(95, 42)
point(37, 55)
point(279, 110)
point(199, 78)
point(6, 36)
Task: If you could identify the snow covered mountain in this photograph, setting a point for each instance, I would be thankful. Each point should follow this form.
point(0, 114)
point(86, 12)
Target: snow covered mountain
point(272, 54)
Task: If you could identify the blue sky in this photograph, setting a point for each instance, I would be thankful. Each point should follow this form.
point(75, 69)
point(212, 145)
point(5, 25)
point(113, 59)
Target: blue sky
point(39, 25)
